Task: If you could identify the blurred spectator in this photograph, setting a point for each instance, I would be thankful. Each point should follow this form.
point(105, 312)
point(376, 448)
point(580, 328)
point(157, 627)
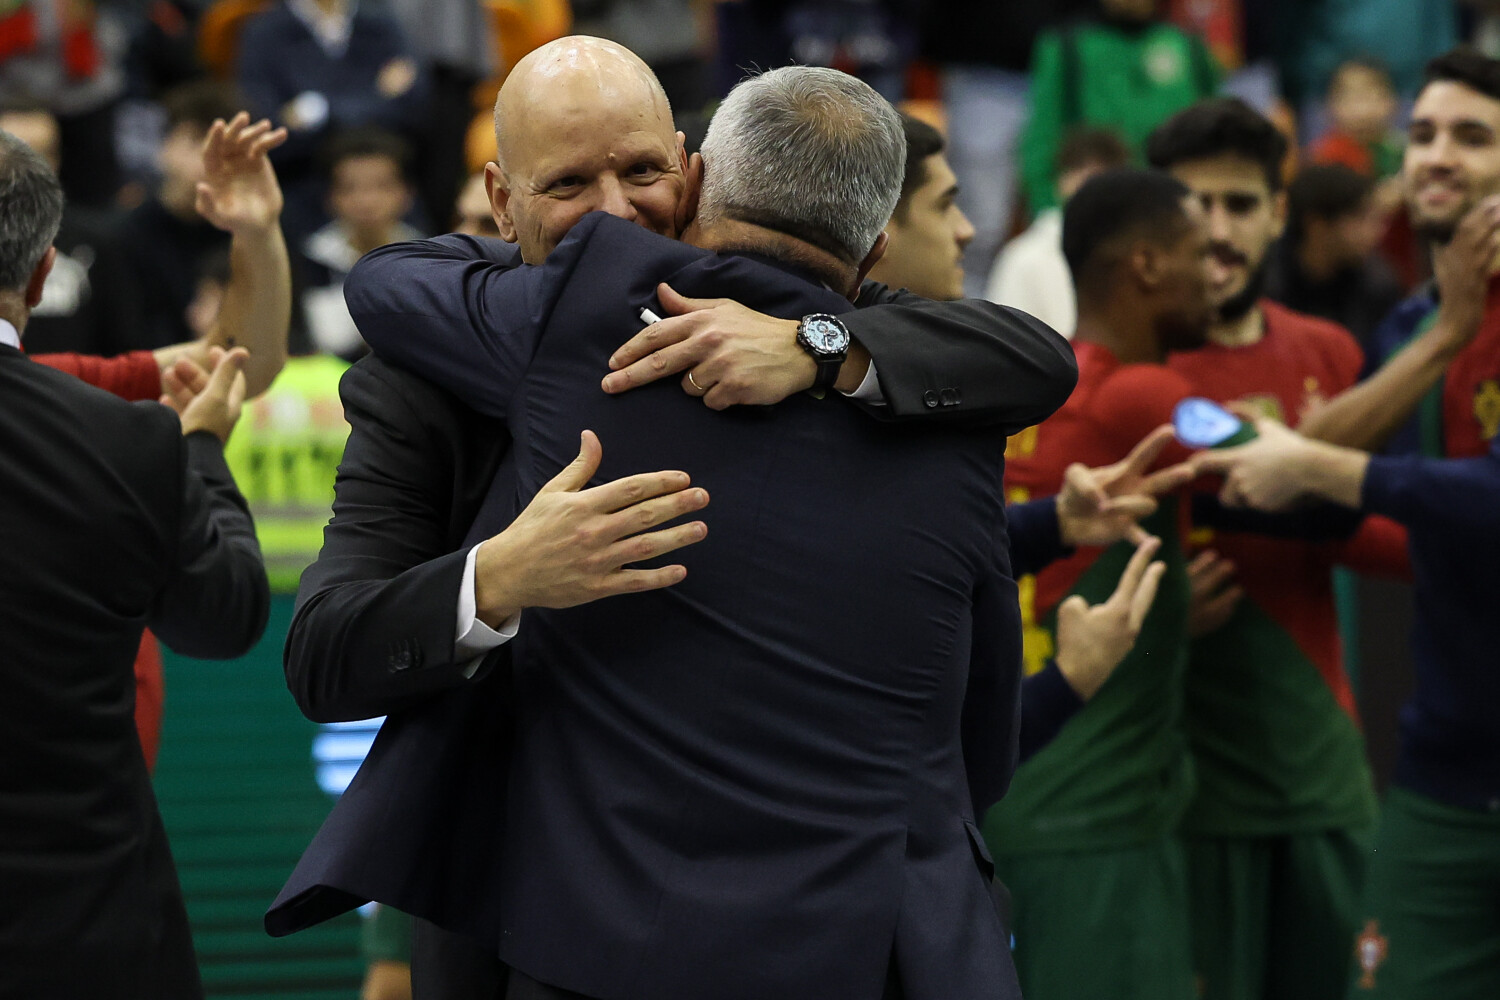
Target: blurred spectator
point(471, 211)
point(369, 192)
point(1128, 70)
point(984, 49)
point(68, 57)
point(89, 304)
point(385, 943)
point(1031, 273)
point(455, 41)
point(1315, 36)
point(667, 34)
point(1362, 109)
point(1326, 264)
point(164, 236)
point(320, 67)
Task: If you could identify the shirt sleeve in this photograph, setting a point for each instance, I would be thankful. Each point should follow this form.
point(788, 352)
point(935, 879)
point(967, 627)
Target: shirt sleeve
point(134, 376)
point(472, 638)
point(1460, 494)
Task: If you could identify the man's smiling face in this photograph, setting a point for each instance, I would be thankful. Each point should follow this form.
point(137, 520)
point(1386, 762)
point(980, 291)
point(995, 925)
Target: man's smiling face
point(1452, 156)
point(583, 130)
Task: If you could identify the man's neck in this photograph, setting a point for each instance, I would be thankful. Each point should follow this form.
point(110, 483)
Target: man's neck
point(1242, 332)
point(13, 310)
point(1131, 339)
point(733, 236)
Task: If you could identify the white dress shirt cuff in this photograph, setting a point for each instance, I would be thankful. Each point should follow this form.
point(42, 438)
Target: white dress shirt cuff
point(869, 388)
point(472, 637)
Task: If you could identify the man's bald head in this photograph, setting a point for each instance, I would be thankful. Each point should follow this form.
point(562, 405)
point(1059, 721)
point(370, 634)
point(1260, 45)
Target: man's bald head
point(582, 125)
point(579, 69)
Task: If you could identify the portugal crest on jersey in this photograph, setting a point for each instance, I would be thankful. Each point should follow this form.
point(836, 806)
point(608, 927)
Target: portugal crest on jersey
point(1487, 407)
point(1370, 949)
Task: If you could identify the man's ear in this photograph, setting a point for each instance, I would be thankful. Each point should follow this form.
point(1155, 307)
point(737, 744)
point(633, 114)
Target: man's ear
point(497, 188)
point(871, 259)
point(692, 188)
point(1144, 263)
point(39, 278)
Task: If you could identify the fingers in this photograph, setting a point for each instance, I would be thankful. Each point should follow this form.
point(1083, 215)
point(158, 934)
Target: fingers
point(632, 490)
point(1209, 571)
point(227, 366)
point(636, 581)
point(1081, 482)
point(1147, 451)
point(1070, 613)
point(1135, 569)
point(654, 511)
point(1169, 479)
point(642, 548)
point(677, 304)
point(641, 358)
point(188, 374)
point(1218, 462)
point(1133, 506)
point(1145, 595)
point(576, 474)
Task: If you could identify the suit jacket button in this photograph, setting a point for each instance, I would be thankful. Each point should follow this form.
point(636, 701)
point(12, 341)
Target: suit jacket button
point(400, 659)
point(951, 397)
point(930, 397)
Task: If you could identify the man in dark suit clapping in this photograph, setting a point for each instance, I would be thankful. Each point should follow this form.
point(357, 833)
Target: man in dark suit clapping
point(115, 517)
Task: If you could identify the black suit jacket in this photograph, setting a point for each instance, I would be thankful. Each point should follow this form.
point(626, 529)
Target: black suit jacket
point(756, 779)
point(112, 522)
point(372, 632)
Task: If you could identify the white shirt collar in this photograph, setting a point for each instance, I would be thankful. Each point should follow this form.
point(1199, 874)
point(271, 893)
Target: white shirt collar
point(9, 335)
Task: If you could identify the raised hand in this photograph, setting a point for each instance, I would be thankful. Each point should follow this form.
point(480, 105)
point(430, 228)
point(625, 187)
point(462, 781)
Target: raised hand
point(1100, 506)
point(208, 400)
point(1093, 640)
point(1213, 594)
point(239, 192)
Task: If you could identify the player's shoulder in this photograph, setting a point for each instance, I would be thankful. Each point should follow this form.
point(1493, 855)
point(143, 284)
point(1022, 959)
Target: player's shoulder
point(1329, 341)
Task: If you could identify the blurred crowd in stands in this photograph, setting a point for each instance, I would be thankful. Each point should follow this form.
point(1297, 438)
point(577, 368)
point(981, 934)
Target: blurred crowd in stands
point(387, 107)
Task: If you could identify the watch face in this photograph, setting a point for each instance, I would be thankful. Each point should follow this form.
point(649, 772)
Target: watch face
point(825, 335)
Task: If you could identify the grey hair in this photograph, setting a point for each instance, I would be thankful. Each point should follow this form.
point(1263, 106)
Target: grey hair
point(807, 151)
point(31, 205)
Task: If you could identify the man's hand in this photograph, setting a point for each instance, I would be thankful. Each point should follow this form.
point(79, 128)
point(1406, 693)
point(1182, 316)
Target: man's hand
point(1463, 268)
point(1091, 641)
point(734, 354)
point(571, 545)
point(1213, 594)
point(208, 400)
point(1099, 507)
point(1269, 474)
point(239, 193)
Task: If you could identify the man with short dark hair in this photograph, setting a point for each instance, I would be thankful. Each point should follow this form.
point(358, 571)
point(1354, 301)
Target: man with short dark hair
point(118, 516)
point(1085, 838)
point(1285, 799)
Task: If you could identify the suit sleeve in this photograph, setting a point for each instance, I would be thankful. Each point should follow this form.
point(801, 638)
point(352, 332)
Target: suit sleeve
point(1047, 703)
point(1035, 538)
point(969, 360)
point(373, 630)
point(442, 309)
point(991, 719)
point(216, 601)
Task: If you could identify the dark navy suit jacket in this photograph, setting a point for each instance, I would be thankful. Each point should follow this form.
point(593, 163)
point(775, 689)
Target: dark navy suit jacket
point(766, 777)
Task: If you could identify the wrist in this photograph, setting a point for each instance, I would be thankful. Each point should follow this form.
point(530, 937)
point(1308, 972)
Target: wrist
point(1076, 677)
point(495, 595)
point(852, 372)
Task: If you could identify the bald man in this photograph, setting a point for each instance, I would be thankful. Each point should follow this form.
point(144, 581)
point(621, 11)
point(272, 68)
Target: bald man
point(392, 617)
